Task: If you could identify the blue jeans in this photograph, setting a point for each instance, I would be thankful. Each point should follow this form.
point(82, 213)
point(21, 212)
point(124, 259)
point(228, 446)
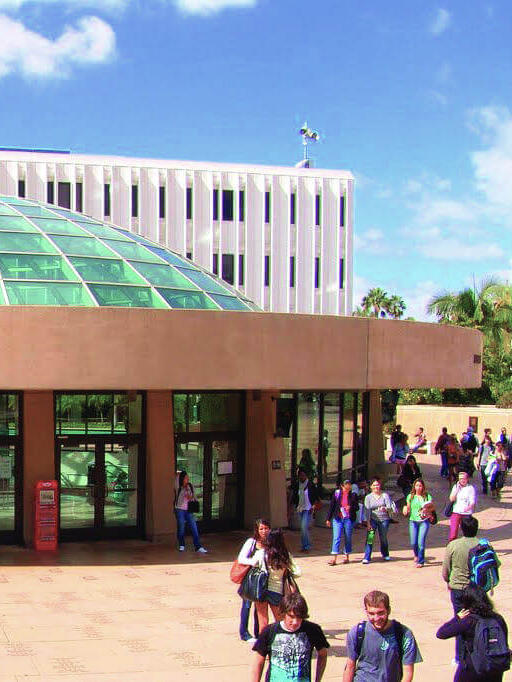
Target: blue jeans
point(418, 531)
point(183, 517)
point(244, 620)
point(304, 529)
point(382, 528)
point(339, 525)
point(444, 464)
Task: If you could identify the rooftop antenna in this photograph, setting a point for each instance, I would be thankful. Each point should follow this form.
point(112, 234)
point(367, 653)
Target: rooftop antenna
point(308, 136)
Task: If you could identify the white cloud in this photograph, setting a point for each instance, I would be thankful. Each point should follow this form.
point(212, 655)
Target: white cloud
point(455, 250)
point(371, 241)
point(205, 7)
point(417, 299)
point(441, 22)
point(91, 41)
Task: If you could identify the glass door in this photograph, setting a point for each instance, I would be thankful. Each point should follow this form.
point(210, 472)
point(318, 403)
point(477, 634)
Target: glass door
point(99, 489)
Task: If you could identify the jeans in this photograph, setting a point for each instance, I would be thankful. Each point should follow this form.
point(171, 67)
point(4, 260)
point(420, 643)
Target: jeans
point(304, 529)
point(456, 597)
point(484, 481)
point(339, 526)
point(444, 464)
point(244, 619)
point(183, 517)
point(382, 528)
point(418, 531)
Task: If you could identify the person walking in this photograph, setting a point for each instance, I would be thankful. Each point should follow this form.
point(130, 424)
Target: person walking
point(419, 523)
point(400, 452)
point(484, 452)
point(380, 649)
point(252, 554)
point(288, 645)
point(455, 569)
point(477, 606)
point(279, 564)
point(378, 507)
point(304, 496)
point(184, 495)
point(441, 450)
point(410, 473)
point(342, 516)
point(463, 495)
point(502, 461)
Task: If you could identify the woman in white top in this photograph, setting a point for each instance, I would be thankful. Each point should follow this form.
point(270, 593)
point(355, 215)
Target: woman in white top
point(378, 506)
point(184, 495)
point(463, 496)
point(252, 554)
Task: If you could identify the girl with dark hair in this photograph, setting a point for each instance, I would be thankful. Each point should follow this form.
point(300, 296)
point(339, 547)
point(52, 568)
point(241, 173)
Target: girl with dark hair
point(253, 554)
point(416, 502)
point(279, 563)
point(341, 517)
point(410, 473)
point(183, 496)
point(475, 605)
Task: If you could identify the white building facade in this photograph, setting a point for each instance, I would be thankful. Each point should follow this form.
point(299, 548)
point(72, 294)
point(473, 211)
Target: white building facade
point(282, 236)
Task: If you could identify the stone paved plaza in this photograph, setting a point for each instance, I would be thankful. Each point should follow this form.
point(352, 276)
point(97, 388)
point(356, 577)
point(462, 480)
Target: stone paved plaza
point(134, 612)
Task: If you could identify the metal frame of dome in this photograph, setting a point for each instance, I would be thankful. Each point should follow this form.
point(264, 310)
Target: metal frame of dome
point(53, 256)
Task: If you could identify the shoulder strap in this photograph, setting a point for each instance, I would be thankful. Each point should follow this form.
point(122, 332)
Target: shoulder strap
point(361, 629)
point(253, 549)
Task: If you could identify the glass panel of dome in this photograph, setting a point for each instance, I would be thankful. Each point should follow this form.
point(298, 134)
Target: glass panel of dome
point(56, 226)
point(229, 302)
point(15, 224)
point(163, 275)
point(82, 246)
point(25, 243)
point(204, 281)
point(47, 293)
point(15, 201)
point(7, 210)
point(105, 270)
point(133, 251)
point(71, 215)
point(170, 257)
point(187, 299)
point(35, 211)
point(2, 300)
point(16, 266)
point(125, 297)
point(103, 231)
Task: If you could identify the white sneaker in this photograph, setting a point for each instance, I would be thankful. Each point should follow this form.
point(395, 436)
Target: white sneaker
point(182, 548)
point(387, 558)
point(202, 550)
point(251, 640)
point(365, 561)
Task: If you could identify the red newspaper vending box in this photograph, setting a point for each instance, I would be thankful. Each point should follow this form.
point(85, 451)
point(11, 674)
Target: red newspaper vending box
point(46, 506)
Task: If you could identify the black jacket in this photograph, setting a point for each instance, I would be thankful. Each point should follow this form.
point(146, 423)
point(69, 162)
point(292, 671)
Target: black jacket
point(334, 508)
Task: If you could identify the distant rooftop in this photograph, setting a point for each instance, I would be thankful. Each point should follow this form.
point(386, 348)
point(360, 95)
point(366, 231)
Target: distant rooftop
point(36, 150)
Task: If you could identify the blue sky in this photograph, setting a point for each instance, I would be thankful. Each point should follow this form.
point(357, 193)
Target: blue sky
point(414, 98)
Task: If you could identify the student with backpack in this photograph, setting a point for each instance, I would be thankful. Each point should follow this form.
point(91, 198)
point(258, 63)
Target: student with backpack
point(484, 633)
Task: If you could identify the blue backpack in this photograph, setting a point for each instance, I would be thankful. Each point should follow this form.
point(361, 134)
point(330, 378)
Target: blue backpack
point(490, 653)
point(483, 565)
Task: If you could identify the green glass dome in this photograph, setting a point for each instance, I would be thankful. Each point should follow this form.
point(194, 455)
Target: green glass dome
point(52, 256)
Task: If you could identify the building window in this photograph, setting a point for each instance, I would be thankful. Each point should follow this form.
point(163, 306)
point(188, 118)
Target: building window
point(227, 204)
point(342, 211)
point(292, 271)
point(50, 192)
point(241, 206)
point(215, 204)
point(241, 269)
point(267, 207)
point(189, 203)
point(189, 255)
point(228, 267)
point(318, 208)
point(106, 199)
point(267, 271)
point(79, 197)
point(317, 272)
point(342, 272)
point(98, 413)
point(161, 202)
point(135, 201)
point(215, 264)
point(293, 202)
point(64, 194)
point(21, 188)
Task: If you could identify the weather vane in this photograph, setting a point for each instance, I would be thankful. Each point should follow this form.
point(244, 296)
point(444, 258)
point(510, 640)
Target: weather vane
point(308, 135)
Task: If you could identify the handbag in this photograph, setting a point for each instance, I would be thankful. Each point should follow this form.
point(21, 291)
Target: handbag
point(238, 572)
point(289, 584)
point(193, 506)
point(448, 509)
point(254, 585)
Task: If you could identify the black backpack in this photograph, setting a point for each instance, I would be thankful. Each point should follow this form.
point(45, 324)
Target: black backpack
point(490, 653)
point(398, 631)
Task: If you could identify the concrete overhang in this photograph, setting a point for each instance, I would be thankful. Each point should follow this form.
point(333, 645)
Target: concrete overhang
point(51, 348)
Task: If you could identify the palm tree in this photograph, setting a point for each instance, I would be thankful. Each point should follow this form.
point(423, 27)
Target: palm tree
point(375, 300)
point(395, 307)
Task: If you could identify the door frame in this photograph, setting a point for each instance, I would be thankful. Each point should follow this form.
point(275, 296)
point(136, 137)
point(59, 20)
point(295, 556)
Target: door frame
point(207, 525)
point(15, 536)
point(99, 531)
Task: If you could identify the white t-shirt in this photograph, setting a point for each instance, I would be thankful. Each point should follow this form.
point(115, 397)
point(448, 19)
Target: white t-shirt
point(465, 500)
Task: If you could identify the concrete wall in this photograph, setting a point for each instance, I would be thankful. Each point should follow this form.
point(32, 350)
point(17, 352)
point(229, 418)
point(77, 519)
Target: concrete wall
point(45, 348)
point(456, 419)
